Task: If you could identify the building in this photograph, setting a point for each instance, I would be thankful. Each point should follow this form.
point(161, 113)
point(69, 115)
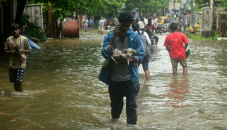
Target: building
point(8, 9)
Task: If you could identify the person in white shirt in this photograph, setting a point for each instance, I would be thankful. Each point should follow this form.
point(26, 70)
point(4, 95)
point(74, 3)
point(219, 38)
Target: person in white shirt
point(155, 21)
point(146, 47)
point(101, 24)
point(145, 21)
point(86, 23)
point(152, 21)
point(141, 24)
point(177, 21)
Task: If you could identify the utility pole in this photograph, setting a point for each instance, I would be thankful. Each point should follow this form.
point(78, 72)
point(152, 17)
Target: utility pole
point(174, 7)
point(211, 4)
point(180, 8)
point(164, 9)
point(191, 12)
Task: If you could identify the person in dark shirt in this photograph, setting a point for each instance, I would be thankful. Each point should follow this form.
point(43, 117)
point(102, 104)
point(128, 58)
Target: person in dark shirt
point(149, 28)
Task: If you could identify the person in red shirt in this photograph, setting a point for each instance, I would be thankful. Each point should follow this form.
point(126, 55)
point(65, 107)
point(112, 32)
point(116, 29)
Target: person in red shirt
point(176, 44)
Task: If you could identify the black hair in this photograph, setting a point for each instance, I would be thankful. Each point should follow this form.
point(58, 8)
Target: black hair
point(14, 26)
point(126, 17)
point(141, 19)
point(165, 21)
point(173, 26)
point(135, 27)
point(149, 20)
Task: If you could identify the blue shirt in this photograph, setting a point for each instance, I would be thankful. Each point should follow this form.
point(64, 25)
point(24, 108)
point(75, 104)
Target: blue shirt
point(135, 43)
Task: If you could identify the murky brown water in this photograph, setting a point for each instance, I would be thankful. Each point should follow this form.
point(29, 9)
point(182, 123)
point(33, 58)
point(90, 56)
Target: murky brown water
point(62, 91)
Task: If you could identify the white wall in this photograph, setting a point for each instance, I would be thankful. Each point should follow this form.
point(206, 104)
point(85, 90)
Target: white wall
point(35, 14)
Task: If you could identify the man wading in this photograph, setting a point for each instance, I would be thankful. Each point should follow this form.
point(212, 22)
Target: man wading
point(174, 45)
point(17, 59)
point(101, 24)
point(124, 78)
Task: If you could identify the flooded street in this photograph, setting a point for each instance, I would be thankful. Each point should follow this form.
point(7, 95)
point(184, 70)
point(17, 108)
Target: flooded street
point(62, 90)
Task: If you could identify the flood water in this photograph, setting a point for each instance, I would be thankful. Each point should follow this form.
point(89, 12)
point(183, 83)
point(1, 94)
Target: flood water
point(62, 91)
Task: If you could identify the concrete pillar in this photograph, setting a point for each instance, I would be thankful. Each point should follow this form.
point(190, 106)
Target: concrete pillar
point(191, 12)
point(207, 23)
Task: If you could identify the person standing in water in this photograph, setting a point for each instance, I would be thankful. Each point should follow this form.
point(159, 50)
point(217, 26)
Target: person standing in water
point(174, 44)
point(124, 78)
point(17, 57)
point(101, 24)
point(86, 22)
point(146, 47)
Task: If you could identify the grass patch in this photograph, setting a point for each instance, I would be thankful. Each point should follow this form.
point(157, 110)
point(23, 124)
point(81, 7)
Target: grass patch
point(223, 40)
point(199, 37)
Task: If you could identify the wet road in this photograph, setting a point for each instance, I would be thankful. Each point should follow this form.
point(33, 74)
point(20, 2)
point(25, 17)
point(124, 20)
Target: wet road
point(62, 91)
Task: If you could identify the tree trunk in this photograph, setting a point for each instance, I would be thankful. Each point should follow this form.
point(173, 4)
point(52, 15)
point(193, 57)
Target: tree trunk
point(50, 17)
point(54, 27)
point(20, 11)
point(81, 22)
point(58, 28)
point(62, 28)
point(88, 17)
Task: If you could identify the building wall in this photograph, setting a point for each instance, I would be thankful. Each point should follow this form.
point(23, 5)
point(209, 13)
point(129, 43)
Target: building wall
point(35, 14)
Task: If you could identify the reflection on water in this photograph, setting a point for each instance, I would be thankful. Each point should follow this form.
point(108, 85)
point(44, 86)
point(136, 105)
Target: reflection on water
point(178, 91)
point(62, 90)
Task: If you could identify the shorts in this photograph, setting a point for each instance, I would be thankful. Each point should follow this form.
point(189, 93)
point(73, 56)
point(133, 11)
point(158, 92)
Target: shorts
point(182, 62)
point(145, 62)
point(85, 27)
point(16, 75)
point(100, 28)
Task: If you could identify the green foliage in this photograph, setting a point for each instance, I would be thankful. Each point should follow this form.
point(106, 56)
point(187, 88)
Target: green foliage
point(110, 8)
point(199, 37)
point(224, 4)
point(63, 8)
point(147, 6)
point(199, 9)
point(223, 40)
point(201, 1)
point(29, 28)
point(44, 5)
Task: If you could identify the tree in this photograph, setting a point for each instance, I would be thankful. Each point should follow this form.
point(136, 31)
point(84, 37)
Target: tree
point(153, 6)
point(63, 8)
point(146, 6)
point(201, 1)
point(224, 4)
point(110, 8)
point(20, 11)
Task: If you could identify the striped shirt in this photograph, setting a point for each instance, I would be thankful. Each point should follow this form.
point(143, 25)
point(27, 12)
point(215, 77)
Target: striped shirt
point(119, 72)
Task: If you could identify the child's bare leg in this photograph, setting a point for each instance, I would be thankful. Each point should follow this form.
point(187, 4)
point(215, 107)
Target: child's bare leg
point(15, 85)
point(19, 87)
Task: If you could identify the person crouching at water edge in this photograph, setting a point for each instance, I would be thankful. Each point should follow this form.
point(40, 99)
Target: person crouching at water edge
point(174, 44)
point(15, 47)
point(124, 78)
